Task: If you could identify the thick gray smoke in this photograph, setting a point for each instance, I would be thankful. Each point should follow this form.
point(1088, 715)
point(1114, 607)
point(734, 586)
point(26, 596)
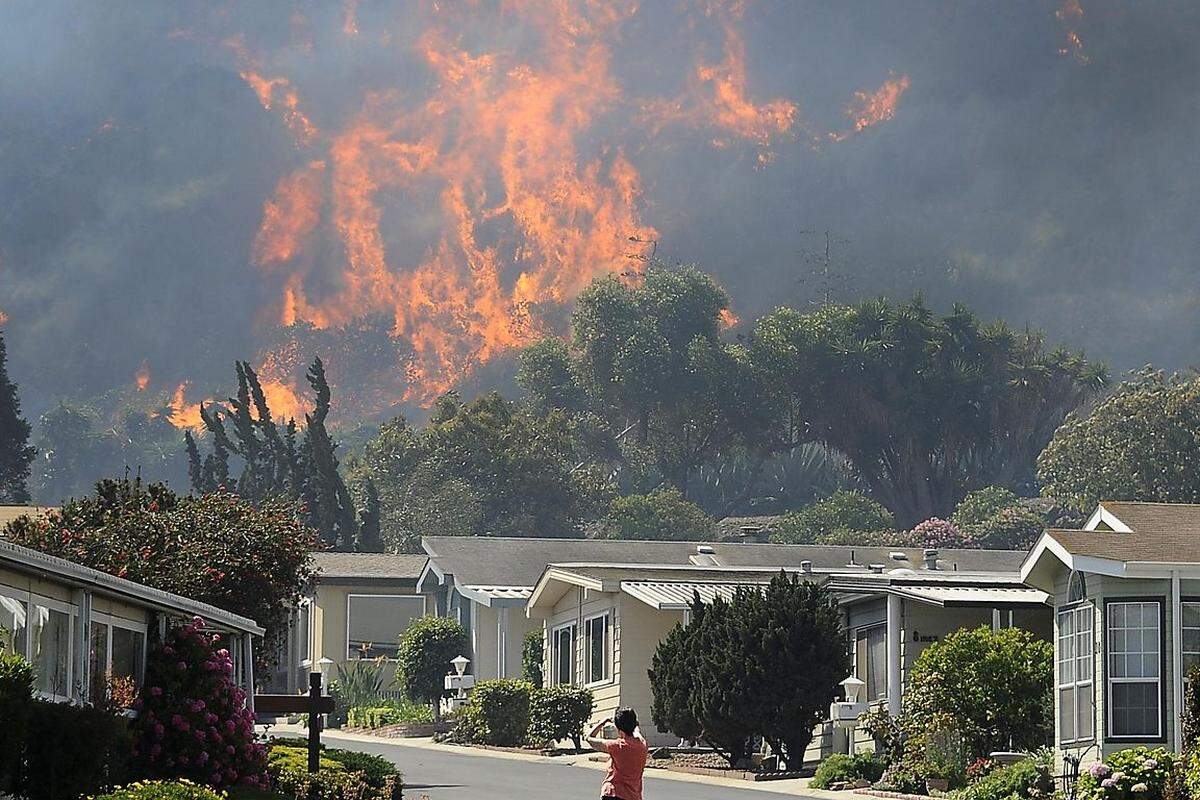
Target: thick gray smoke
point(1046, 181)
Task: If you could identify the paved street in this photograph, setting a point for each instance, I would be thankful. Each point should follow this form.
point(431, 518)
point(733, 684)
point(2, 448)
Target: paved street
point(441, 775)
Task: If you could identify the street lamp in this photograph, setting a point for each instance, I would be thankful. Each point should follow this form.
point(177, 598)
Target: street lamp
point(845, 713)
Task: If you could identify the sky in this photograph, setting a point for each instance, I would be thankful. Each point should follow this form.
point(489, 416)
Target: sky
point(414, 190)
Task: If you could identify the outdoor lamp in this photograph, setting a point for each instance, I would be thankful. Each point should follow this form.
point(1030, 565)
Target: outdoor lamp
point(853, 688)
point(460, 664)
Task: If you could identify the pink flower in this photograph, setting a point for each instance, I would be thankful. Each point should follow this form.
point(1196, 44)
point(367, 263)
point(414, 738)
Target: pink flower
point(168, 650)
point(180, 665)
point(229, 749)
point(1108, 783)
point(156, 691)
point(159, 730)
point(202, 758)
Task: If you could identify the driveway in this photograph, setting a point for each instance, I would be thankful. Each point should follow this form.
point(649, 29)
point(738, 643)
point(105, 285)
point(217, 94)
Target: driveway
point(443, 774)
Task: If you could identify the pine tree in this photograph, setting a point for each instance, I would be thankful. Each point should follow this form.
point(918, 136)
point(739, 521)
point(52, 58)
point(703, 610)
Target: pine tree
point(15, 453)
point(370, 539)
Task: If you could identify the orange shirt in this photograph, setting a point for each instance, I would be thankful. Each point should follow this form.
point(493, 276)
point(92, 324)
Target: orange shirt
point(627, 759)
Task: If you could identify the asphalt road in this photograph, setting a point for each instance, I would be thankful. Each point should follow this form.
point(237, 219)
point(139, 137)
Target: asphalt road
point(441, 775)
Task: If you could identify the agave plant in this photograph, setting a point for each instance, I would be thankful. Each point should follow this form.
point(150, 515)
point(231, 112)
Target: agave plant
point(361, 682)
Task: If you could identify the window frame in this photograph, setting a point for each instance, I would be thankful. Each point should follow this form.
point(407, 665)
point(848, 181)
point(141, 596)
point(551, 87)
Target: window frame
point(20, 597)
point(607, 616)
point(555, 649)
point(1160, 681)
point(1186, 600)
point(346, 652)
point(72, 612)
point(865, 631)
point(1075, 683)
point(111, 621)
point(304, 609)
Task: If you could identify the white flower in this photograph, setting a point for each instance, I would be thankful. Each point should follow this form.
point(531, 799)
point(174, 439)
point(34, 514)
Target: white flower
point(1140, 787)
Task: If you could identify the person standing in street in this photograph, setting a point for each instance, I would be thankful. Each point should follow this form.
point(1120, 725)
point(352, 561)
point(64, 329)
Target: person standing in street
point(627, 756)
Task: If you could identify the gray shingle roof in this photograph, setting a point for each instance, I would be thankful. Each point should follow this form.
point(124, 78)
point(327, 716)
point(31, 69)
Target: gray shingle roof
point(373, 566)
point(498, 561)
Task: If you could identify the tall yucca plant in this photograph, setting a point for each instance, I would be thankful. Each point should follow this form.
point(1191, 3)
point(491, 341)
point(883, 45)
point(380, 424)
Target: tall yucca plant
point(361, 682)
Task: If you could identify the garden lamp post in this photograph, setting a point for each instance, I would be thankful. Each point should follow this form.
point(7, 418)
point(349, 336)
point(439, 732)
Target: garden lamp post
point(459, 682)
point(845, 713)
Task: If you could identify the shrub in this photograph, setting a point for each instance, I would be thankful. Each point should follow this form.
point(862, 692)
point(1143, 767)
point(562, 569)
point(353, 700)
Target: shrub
point(423, 659)
point(532, 649)
point(397, 713)
point(902, 777)
point(946, 752)
point(80, 751)
point(1139, 772)
point(842, 510)
point(1191, 710)
point(983, 504)
point(995, 685)
point(939, 533)
point(162, 790)
point(497, 714)
point(1015, 528)
point(887, 733)
point(559, 712)
point(662, 515)
point(1030, 778)
point(193, 721)
point(16, 704)
point(343, 775)
point(841, 767)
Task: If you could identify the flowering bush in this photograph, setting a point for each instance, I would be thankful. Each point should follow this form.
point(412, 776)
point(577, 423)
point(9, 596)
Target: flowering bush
point(162, 790)
point(939, 533)
point(1139, 773)
point(193, 721)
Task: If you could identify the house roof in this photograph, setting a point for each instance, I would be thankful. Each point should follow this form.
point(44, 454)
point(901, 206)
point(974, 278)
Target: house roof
point(71, 574)
point(519, 562)
point(10, 513)
point(1132, 531)
point(351, 567)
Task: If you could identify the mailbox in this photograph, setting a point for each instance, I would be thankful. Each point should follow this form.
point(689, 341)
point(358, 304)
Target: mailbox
point(845, 713)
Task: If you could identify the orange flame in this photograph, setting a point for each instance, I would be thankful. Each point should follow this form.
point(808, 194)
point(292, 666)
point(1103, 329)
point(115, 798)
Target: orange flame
point(1071, 14)
point(871, 108)
point(350, 18)
point(183, 415)
point(142, 377)
point(289, 216)
point(273, 93)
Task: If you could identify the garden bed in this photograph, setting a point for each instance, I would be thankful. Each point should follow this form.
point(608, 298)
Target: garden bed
point(403, 730)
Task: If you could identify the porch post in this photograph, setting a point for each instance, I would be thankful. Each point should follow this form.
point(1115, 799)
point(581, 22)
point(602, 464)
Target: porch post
point(248, 667)
point(81, 661)
point(1176, 661)
point(894, 609)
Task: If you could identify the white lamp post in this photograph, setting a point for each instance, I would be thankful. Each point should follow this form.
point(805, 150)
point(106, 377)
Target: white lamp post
point(845, 713)
point(459, 682)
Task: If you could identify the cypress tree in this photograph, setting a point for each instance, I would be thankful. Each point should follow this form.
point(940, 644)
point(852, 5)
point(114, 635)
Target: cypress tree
point(672, 679)
point(15, 452)
point(369, 538)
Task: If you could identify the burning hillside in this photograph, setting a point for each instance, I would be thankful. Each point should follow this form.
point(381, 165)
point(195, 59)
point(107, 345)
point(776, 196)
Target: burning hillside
point(468, 214)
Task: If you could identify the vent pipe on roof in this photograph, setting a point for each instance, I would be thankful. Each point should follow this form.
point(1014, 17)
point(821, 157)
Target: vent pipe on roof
point(898, 555)
point(876, 568)
point(706, 550)
point(806, 566)
point(930, 558)
point(755, 534)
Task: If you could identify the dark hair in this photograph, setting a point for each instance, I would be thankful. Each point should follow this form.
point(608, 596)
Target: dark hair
point(626, 720)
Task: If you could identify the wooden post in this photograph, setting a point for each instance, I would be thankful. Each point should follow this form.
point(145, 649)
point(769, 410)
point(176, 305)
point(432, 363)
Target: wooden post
point(314, 721)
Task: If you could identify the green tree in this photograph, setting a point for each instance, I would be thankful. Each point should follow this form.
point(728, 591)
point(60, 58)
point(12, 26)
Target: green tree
point(648, 361)
point(995, 685)
point(488, 467)
point(532, 652)
point(276, 461)
point(1139, 443)
point(423, 659)
point(924, 408)
point(216, 548)
point(769, 662)
point(15, 452)
point(842, 515)
point(662, 515)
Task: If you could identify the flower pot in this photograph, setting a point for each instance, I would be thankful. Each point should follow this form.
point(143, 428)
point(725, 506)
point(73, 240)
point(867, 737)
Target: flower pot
point(937, 784)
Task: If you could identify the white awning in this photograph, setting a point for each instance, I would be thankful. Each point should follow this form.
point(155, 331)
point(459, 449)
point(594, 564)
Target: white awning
point(677, 595)
point(990, 596)
point(497, 595)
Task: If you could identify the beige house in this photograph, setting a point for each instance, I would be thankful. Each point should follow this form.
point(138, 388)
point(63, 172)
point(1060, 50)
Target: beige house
point(602, 622)
point(359, 605)
point(78, 626)
point(1126, 598)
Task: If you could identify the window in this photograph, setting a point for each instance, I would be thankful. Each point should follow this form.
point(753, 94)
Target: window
point(563, 654)
point(1076, 685)
point(14, 625)
point(374, 623)
point(1076, 587)
point(595, 632)
point(1134, 661)
point(1191, 636)
point(50, 651)
point(303, 633)
point(870, 660)
point(117, 650)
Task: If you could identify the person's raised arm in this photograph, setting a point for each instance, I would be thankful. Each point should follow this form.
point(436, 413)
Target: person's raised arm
point(595, 741)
